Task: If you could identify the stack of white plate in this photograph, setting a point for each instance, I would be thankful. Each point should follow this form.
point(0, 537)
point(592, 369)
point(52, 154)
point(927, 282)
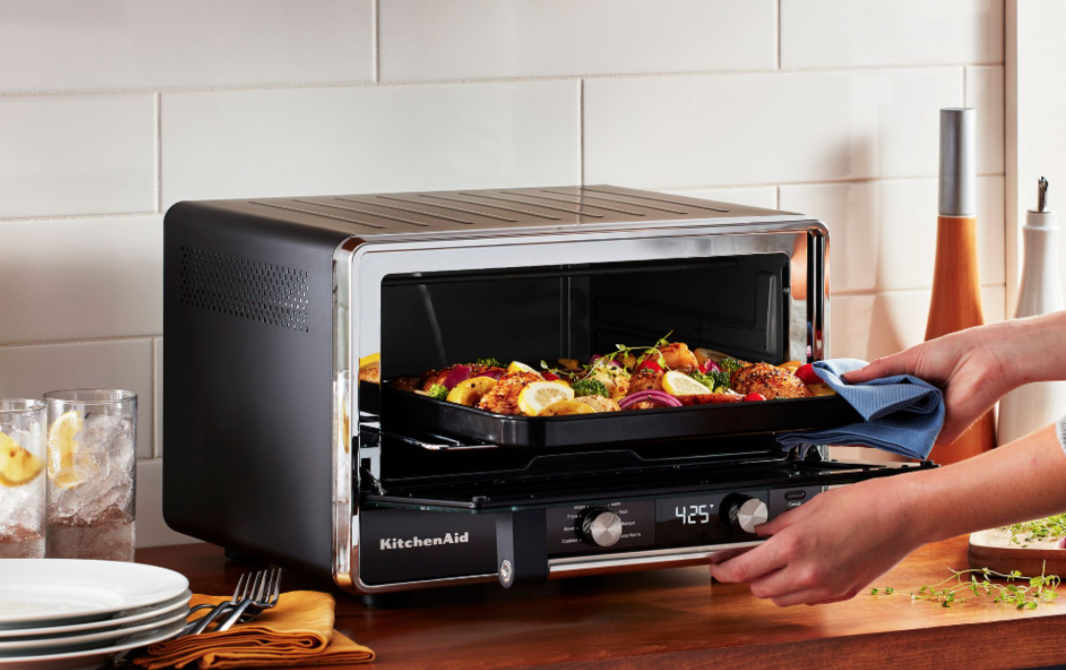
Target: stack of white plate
point(71, 615)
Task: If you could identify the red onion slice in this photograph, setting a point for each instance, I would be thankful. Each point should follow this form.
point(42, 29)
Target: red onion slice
point(460, 373)
point(650, 395)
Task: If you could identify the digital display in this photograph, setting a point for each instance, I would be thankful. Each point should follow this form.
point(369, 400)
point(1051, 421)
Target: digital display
point(692, 519)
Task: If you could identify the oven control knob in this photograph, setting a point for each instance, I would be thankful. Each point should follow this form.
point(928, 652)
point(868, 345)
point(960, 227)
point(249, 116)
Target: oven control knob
point(744, 513)
point(601, 527)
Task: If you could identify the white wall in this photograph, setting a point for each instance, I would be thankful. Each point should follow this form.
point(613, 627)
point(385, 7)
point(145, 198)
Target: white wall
point(112, 110)
point(1036, 135)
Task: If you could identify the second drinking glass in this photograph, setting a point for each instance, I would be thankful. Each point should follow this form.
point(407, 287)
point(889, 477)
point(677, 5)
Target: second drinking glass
point(92, 437)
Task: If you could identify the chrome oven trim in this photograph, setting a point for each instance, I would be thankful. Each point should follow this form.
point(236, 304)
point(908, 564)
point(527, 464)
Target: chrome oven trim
point(351, 309)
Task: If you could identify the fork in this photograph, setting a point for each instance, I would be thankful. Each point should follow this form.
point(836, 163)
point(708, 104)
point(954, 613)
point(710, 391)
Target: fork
point(244, 587)
point(265, 595)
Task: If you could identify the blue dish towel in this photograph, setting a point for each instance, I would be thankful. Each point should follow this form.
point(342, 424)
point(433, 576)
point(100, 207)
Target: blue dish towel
point(903, 414)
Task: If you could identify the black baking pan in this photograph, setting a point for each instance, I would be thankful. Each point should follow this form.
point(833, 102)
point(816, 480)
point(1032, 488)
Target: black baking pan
point(669, 423)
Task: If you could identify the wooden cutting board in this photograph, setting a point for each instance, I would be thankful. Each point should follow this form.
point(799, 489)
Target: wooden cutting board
point(993, 549)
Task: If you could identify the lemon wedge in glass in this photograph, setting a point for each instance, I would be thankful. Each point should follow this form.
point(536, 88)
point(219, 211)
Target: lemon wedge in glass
point(63, 448)
point(17, 465)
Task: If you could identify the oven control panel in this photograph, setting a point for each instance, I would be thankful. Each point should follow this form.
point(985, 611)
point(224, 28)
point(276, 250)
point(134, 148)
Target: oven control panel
point(694, 520)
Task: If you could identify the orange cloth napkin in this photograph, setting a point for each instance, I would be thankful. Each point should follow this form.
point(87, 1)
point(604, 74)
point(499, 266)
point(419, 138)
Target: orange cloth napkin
point(299, 631)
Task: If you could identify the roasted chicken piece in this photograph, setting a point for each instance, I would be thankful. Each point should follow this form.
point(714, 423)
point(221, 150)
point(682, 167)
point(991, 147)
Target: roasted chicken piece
point(677, 356)
point(503, 398)
point(599, 403)
point(371, 373)
point(438, 376)
point(768, 380)
point(615, 379)
point(646, 379)
point(710, 398)
point(406, 384)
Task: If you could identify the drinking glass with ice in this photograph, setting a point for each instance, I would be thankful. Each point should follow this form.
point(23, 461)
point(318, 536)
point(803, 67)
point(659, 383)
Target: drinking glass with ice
point(92, 437)
point(22, 488)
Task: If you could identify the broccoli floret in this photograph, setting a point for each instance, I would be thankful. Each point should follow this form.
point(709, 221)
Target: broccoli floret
point(730, 365)
point(438, 391)
point(590, 387)
point(713, 379)
point(491, 362)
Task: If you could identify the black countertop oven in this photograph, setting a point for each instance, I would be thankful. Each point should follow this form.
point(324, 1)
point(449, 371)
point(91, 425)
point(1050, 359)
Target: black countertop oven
point(274, 449)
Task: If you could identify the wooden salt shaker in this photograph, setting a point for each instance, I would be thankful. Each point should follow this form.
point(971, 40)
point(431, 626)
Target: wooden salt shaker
point(956, 300)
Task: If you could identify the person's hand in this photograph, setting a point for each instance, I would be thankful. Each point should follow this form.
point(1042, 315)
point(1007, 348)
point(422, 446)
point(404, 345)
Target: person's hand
point(972, 367)
point(828, 549)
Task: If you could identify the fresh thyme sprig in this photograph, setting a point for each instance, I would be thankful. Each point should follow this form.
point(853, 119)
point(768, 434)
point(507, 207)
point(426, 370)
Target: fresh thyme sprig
point(621, 352)
point(975, 584)
point(1041, 530)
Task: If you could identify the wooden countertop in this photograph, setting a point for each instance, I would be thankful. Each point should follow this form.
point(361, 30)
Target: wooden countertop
point(674, 619)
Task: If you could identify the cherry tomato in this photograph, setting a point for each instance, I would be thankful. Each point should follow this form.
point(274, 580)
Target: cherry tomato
point(807, 374)
point(551, 376)
point(752, 397)
point(650, 364)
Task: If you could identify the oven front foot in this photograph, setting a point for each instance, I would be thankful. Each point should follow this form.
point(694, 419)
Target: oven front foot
point(387, 601)
point(522, 548)
point(240, 556)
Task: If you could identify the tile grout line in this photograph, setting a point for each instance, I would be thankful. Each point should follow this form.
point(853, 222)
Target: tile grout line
point(83, 340)
point(159, 152)
point(777, 57)
point(866, 293)
point(824, 182)
point(78, 217)
point(375, 10)
point(481, 80)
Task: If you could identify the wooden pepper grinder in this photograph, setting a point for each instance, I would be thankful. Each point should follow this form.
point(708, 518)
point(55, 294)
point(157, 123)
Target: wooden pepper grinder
point(956, 300)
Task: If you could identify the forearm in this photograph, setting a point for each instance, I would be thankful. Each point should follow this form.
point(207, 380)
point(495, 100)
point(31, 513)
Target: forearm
point(1030, 349)
point(1023, 480)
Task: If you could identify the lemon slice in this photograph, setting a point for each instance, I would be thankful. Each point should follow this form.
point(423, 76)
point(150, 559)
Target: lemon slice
point(566, 407)
point(469, 392)
point(17, 465)
point(519, 366)
point(372, 359)
point(537, 396)
point(678, 383)
point(63, 451)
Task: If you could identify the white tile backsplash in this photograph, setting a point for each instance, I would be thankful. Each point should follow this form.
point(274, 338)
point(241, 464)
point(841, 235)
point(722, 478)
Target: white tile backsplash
point(732, 130)
point(883, 234)
point(111, 111)
point(759, 196)
point(124, 44)
point(157, 397)
point(77, 279)
point(77, 155)
point(152, 530)
point(878, 324)
point(421, 40)
point(848, 33)
point(365, 140)
point(32, 371)
point(985, 93)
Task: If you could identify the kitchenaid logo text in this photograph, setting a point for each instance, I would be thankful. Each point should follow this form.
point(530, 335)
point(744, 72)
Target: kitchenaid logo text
point(447, 538)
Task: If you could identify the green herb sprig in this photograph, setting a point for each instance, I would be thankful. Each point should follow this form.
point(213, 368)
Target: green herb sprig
point(1041, 530)
point(491, 362)
point(438, 391)
point(976, 584)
